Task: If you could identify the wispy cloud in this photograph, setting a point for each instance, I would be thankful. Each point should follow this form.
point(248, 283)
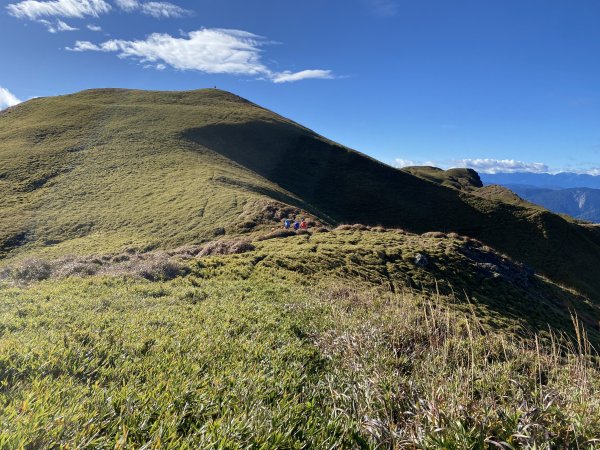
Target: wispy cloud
point(7, 98)
point(594, 171)
point(34, 10)
point(93, 27)
point(401, 162)
point(47, 13)
point(127, 5)
point(159, 10)
point(163, 10)
point(482, 165)
point(384, 8)
point(489, 165)
point(216, 51)
point(287, 76)
point(57, 26)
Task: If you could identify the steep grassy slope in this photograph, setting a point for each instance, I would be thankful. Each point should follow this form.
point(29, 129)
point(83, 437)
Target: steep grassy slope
point(497, 192)
point(103, 170)
point(305, 342)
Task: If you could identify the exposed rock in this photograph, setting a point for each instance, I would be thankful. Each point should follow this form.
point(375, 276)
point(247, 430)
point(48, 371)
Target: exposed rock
point(494, 266)
point(421, 260)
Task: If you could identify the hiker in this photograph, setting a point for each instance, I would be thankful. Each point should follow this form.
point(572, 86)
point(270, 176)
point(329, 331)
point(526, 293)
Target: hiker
point(296, 225)
point(287, 223)
point(304, 224)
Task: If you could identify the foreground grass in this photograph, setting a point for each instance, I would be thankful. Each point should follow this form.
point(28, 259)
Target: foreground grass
point(234, 359)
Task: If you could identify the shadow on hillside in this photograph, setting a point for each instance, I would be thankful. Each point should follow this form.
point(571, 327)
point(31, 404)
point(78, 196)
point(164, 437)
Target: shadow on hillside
point(346, 185)
point(350, 187)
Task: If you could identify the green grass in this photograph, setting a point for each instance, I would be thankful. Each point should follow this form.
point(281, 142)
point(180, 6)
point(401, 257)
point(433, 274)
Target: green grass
point(113, 175)
point(462, 179)
point(304, 342)
point(105, 170)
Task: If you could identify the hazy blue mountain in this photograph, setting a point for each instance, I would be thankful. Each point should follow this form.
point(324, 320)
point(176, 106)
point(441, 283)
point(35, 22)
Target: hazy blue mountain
point(581, 203)
point(561, 180)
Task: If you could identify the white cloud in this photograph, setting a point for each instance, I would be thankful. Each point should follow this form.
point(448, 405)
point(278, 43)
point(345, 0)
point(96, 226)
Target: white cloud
point(84, 46)
point(57, 26)
point(159, 10)
point(163, 10)
point(287, 76)
point(594, 171)
point(92, 27)
point(400, 163)
point(489, 165)
point(7, 98)
point(127, 5)
point(585, 168)
point(35, 10)
point(217, 51)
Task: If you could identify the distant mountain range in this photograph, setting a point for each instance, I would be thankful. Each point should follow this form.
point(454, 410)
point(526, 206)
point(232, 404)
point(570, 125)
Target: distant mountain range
point(562, 180)
point(580, 203)
point(577, 195)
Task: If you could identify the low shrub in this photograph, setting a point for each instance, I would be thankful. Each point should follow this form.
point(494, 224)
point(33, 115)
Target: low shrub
point(32, 270)
point(434, 234)
point(159, 268)
point(248, 225)
point(120, 258)
point(226, 248)
point(76, 268)
point(277, 234)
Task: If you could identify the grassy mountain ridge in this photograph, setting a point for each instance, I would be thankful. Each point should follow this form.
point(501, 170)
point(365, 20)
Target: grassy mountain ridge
point(102, 170)
point(147, 302)
point(117, 173)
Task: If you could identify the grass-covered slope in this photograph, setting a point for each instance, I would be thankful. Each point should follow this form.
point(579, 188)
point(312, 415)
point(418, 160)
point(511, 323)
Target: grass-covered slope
point(103, 170)
point(322, 341)
point(463, 179)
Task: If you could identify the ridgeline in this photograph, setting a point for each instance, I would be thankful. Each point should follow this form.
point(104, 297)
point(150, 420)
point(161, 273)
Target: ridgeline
point(107, 169)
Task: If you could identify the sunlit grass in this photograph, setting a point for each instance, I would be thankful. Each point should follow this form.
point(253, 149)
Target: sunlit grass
point(249, 351)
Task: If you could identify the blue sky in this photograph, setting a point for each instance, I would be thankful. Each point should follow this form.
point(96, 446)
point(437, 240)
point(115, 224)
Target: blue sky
point(497, 85)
